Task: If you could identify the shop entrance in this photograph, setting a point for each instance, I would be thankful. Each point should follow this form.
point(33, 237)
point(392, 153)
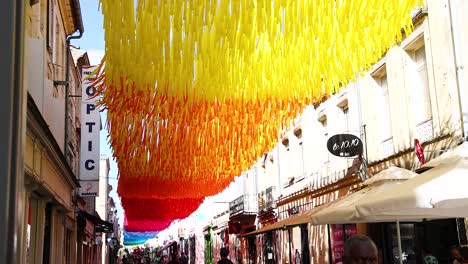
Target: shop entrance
point(436, 237)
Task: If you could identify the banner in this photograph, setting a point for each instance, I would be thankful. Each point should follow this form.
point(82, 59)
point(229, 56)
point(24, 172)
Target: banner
point(90, 127)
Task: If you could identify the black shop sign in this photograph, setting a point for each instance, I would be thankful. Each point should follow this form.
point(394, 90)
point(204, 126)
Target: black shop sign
point(345, 145)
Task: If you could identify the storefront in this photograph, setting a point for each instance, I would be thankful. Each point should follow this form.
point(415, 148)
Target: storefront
point(242, 218)
point(267, 215)
point(50, 221)
point(435, 237)
point(294, 238)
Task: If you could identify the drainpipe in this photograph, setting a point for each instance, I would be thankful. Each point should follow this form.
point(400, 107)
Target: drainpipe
point(67, 87)
point(362, 131)
point(279, 170)
point(461, 85)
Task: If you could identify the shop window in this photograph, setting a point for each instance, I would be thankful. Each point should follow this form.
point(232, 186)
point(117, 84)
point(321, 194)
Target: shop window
point(339, 234)
point(68, 238)
point(47, 234)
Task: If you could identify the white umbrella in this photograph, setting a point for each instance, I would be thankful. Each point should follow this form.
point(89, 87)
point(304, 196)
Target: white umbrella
point(450, 156)
point(344, 211)
point(392, 173)
point(441, 192)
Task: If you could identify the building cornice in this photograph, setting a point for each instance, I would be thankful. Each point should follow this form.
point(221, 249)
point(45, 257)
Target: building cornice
point(39, 128)
point(76, 13)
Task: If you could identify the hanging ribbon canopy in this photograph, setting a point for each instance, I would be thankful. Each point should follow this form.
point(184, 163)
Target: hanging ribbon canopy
point(197, 90)
point(146, 225)
point(137, 238)
point(159, 209)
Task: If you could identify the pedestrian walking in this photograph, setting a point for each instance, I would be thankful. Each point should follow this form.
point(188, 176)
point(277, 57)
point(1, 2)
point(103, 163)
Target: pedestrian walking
point(224, 254)
point(297, 257)
point(457, 257)
point(428, 257)
point(183, 258)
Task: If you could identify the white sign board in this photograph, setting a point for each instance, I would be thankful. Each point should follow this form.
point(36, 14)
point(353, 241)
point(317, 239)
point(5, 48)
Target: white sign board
point(90, 126)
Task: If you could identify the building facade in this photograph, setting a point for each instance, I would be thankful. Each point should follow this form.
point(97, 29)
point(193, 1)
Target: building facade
point(102, 203)
point(61, 228)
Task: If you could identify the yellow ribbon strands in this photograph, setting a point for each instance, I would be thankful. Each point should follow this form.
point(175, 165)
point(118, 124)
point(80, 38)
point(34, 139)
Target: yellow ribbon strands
point(197, 90)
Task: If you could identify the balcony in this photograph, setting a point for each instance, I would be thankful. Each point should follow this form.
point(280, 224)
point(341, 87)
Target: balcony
point(246, 204)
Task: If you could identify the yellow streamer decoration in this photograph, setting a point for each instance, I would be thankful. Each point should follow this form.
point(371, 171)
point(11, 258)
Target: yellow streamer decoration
point(197, 90)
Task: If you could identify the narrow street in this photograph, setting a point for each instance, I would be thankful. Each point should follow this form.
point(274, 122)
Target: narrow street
point(238, 132)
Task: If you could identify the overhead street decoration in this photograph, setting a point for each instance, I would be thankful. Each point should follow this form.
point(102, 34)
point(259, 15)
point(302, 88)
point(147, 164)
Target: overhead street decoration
point(197, 90)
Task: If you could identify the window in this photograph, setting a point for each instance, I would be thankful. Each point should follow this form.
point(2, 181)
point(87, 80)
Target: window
point(285, 142)
point(383, 103)
point(384, 121)
point(50, 37)
point(343, 105)
point(300, 158)
point(420, 86)
point(323, 120)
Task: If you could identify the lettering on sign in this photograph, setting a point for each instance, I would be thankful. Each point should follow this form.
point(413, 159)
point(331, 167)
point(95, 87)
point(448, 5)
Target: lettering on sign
point(90, 124)
point(345, 145)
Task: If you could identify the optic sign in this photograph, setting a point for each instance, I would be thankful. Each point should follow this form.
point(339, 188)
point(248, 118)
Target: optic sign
point(90, 126)
point(344, 145)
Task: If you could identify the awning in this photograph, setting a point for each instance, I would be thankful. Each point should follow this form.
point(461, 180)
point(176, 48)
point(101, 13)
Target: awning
point(166, 247)
point(450, 156)
point(437, 193)
point(105, 226)
point(344, 210)
point(289, 222)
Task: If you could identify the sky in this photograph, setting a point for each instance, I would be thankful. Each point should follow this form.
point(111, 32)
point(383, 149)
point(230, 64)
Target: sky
point(93, 43)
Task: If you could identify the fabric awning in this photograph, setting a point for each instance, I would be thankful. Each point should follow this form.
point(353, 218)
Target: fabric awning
point(450, 156)
point(344, 210)
point(166, 246)
point(289, 222)
point(437, 193)
point(95, 219)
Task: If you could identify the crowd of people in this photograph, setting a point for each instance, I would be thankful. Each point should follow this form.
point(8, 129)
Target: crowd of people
point(357, 249)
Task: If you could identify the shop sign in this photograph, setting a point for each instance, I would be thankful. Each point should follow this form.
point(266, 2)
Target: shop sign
point(338, 243)
point(261, 201)
point(266, 199)
point(340, 233)
point(237, 205)
point(345, 145)
point(270, 195)
point(90, 127)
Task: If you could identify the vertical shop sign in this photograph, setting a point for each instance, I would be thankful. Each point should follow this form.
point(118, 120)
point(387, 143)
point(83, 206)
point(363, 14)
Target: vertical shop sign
point(350, 230)
point(338, 243)
point(90, 127)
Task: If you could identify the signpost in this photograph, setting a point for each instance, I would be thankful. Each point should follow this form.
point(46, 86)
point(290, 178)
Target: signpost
point(345, 145)
point(90, 127)
point(348, 146)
